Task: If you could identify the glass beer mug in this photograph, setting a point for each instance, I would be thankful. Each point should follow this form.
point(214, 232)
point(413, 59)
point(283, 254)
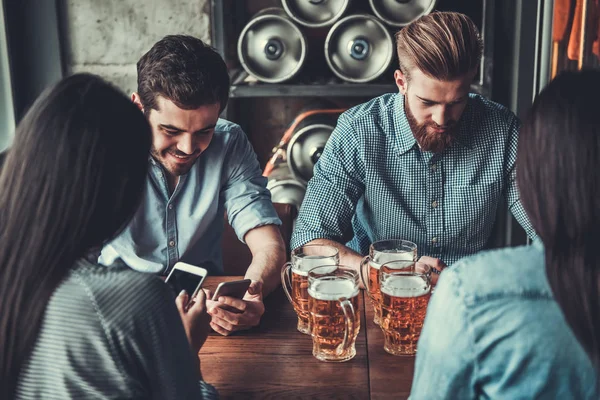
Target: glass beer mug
point(294, 277)
point(405, 293)
point(334, 315)
point(379, 253)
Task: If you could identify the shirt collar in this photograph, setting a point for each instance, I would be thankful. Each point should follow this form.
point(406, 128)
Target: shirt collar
point(405, 140)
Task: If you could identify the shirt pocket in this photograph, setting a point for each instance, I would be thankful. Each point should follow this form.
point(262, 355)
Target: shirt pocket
point(471, 214)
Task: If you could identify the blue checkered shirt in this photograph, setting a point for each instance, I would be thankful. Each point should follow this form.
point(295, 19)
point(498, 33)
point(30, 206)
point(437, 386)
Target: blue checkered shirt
point(373, 182)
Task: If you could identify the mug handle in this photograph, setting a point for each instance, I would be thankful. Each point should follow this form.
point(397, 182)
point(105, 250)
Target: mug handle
point(348, 310)
point(364, 276)
point(286, 281)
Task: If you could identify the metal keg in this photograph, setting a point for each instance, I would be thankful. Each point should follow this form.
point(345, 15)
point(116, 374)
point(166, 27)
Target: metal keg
point(401, 12)
point(285, 188)
point(271, 47)
point(359, 48)
point(315, 13)
point(307, 143)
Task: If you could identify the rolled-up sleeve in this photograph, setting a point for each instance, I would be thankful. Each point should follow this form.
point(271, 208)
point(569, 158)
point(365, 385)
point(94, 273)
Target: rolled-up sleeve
point(511, 194)
point(334, 190)
point(246, 198)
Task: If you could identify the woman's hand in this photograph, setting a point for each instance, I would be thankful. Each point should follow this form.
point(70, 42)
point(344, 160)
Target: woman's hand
point(196, 320)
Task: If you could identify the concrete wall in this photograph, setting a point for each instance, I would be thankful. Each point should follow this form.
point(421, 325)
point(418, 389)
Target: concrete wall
point(107, 37)
point(7, 113)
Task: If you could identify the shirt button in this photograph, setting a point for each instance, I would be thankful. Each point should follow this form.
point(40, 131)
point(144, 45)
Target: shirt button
point(170, 206)
point(433, 167)
point(172, 243)
point(434, 240)
point(434, 204)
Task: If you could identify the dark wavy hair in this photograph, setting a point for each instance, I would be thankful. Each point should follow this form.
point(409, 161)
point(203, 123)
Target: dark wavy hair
point(558, 163)
point(184, 70)
point(71, 181)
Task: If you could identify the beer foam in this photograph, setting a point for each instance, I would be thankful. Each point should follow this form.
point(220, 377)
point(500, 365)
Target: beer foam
point(307, 263)
point(405, 286)
point(333, 289)
point(384, 257)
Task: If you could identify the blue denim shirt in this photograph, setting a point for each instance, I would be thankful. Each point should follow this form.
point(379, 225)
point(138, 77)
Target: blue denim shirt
point(373, 182)
point(188, 224)
point(494, 331)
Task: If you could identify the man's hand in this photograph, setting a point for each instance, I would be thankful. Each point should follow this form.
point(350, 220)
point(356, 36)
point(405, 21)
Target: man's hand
point(437, 266)
point(230, 314)
point(194, 317)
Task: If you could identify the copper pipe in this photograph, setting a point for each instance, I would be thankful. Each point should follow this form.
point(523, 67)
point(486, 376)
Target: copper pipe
point(583, 34)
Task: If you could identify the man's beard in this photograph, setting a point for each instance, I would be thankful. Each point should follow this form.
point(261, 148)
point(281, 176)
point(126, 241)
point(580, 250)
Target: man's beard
point(172, 168)
point(435, 142)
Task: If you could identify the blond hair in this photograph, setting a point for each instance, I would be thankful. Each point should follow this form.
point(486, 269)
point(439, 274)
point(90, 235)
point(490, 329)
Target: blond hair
point(442, 45)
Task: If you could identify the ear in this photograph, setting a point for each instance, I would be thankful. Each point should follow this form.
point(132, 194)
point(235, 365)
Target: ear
point(401, 81)
point(135, 97)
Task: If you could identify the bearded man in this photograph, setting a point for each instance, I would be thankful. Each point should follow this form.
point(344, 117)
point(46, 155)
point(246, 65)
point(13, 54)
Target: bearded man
point(428, 164)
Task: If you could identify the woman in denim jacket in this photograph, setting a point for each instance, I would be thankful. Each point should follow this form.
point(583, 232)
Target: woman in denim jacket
point(524, 323)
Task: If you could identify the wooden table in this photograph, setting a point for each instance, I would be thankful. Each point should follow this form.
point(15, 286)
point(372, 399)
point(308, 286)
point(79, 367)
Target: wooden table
point(274, 360)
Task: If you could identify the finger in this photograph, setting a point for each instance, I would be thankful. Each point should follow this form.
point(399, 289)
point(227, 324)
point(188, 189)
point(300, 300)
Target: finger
point(210, 304)
point(208, 293)
point(434, 263)
point(233, 318)
point(181, 301)
point(233, 302)
point(198, 306)
point(222, 324)
point(231, 327)
point(219, 330)
point(255, 288)
point(200, 297)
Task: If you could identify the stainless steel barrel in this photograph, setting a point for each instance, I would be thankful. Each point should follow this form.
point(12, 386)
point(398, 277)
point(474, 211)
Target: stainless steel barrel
point(359, 48)
point(307, 144)
point(401, 12)
point(285, 188)
point(271, 47)
point(315, 13)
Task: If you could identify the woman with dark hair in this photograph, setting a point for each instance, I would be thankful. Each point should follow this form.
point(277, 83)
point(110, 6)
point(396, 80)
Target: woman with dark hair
point(70, 328)
point(525, 322)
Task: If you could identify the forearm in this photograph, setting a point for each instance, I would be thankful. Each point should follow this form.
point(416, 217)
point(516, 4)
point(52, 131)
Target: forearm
point(268, 256)
point(348, 256)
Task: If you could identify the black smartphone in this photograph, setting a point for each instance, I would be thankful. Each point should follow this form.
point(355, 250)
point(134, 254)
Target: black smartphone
point(186, 277)
point(235, 289)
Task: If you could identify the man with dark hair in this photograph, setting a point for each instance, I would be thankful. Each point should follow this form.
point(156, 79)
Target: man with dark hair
point(200, 166)
point(428, 164)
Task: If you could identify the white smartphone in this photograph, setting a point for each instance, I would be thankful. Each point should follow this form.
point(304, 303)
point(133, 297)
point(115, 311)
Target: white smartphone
point(186, 277)
point(235, 289)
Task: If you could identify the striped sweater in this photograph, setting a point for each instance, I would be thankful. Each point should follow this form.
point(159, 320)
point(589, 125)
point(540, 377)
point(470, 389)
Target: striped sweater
point(111, 332)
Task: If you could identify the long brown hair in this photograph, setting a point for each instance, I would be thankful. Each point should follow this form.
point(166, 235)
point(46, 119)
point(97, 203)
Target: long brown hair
point(72, 180)
point(558, 163)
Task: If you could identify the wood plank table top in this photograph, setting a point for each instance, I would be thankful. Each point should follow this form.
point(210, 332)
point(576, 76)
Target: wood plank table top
point(390, 377)
point(275, 361)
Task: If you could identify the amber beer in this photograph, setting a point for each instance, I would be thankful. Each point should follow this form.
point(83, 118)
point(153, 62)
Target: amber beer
point(380, 253)
point(334, 313)
point(404, 299)
point(294, 277)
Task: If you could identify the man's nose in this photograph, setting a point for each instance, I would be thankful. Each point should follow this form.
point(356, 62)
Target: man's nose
point(441, 116)
point(186, 144)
